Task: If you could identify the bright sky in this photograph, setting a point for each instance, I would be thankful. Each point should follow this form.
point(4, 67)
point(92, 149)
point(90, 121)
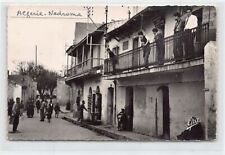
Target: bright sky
point(49, 33)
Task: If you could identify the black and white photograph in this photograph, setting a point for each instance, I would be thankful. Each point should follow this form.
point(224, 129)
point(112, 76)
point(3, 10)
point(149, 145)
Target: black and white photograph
point(126, 73)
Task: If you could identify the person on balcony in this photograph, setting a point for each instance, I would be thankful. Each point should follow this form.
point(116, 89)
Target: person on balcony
point(113, 59)
point(160, 46)
point(177, 42)
point(146, 47)
point(191, 22)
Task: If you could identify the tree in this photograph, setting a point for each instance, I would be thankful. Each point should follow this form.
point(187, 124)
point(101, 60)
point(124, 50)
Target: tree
point(46, 79)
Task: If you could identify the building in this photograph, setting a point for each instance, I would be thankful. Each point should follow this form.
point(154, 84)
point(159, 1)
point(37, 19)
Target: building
point(159, 99)
point(29, 86)
point(85, 74)
point(14, 90)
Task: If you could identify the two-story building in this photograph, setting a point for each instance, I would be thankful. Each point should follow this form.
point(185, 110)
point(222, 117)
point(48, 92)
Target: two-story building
point(160, 99)
point(85, 75)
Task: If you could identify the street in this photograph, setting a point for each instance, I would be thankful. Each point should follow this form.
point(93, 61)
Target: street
point(58, 129)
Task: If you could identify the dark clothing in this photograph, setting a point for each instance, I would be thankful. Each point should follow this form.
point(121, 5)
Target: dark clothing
point(194, 133)
point(113, 59)
point(10, 106)
point(160, 48)
point(49, 113)
point(178, 43)
point(122, 119)
point(30, 109)
point(16, 116)
point(15, 122)
point(42, 111)
point(38, 105)
point(57, 110)
point(146, 52)
point(188, 44)
point(81, 109)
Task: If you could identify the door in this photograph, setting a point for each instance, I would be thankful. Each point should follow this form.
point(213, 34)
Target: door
point(129, 108)
point(110, 105)
point(135, 55)
point(164, 91)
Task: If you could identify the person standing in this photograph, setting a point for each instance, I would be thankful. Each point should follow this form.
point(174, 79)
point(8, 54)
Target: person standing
point(16, 114)
point(146, 47)
point(49, 112)
point(177, 40)
point(81, 109)
point(112, 57)
point(160, 46)
point(10, 106)
point(191, 22)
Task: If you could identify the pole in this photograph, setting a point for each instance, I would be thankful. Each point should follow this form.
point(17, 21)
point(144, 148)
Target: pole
point(35, 57)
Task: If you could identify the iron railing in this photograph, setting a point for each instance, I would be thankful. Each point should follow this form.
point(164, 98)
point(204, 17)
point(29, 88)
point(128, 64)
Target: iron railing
point(84, 66)
point(133, 59)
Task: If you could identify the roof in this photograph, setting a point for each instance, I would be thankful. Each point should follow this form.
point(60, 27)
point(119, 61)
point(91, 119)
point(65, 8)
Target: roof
point(136, 18)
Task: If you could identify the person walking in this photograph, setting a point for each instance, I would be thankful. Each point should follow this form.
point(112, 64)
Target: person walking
point(10, 106)
point(42, 110)
point(49, 112)
point(16, 114)
point(38, 105)
point(145, 43)
point(160, 46)
point(177, 40)
point(81, 109)
point(57, 110)
point(191, 22)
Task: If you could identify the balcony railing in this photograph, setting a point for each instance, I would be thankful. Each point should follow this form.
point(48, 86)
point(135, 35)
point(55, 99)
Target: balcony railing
point(133, 59)
point(85, 66)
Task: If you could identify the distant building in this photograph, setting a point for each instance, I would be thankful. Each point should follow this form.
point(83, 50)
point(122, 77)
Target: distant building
point(29, 86)
point(14, 90)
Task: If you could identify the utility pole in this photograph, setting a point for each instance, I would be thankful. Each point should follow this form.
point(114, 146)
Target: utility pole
point(129, 12)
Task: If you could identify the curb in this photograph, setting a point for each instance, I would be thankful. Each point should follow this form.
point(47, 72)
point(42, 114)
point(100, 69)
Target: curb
point(98, 130)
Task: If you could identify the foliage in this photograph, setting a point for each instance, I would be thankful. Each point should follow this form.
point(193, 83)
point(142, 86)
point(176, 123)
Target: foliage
point(46, 79)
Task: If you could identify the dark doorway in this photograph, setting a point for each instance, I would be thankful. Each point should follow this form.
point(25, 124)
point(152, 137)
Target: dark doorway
point(129, 107)
point(166, 111)
point(135, 54)
point(110, 105)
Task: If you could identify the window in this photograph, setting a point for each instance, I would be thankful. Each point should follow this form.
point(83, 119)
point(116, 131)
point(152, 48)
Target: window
point(125, 45)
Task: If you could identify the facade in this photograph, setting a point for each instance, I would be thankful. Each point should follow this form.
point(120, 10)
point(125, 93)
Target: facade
point(85, 75)
point(29, 86)
point(14, 90)
point(160, 99)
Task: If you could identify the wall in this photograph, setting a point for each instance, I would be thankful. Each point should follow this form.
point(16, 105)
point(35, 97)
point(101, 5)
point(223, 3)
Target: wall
point(62, 92)
point(103, 85)
point(186, 99)
point(211, 71)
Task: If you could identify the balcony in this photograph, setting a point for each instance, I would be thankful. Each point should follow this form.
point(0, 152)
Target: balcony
point(91, 67)
point(133, 60)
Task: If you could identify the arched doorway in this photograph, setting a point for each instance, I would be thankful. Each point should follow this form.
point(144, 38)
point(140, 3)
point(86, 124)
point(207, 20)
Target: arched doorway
point(98, 106)
point(90, 98)
point(110, 95)
point(164, 104)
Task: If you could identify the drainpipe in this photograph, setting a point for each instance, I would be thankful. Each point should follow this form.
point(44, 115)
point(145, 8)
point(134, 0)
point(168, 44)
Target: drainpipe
point(115, 84)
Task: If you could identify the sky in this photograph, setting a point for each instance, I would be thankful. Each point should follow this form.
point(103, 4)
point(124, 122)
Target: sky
point(51, 33)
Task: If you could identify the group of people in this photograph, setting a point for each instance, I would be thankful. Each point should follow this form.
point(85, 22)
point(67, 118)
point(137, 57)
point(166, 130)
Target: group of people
point(183, 26)
point(16, 109)
point(46, 109)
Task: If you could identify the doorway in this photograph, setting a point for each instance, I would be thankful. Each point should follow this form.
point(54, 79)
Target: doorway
point(165, 111)
point(135, 54)
point(110, 105)
point(129, 107)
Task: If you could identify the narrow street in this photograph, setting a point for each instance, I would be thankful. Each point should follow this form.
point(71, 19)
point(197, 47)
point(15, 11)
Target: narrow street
point(58, 129)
